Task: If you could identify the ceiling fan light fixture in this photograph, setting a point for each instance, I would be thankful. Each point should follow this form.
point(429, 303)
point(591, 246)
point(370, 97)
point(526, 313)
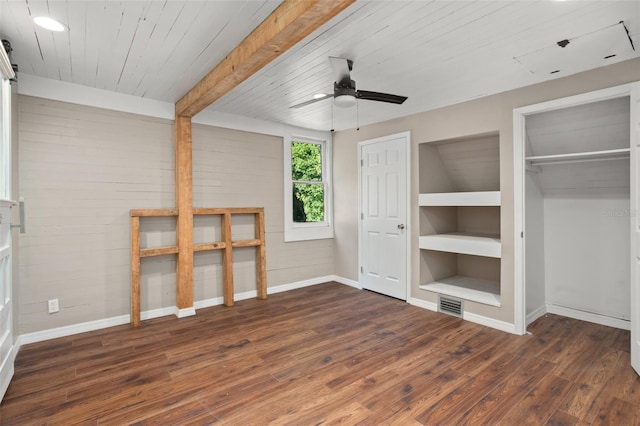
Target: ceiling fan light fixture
point(49, 24)
point(345, 101)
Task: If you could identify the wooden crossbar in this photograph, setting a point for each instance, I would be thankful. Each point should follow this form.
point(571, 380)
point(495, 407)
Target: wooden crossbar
point(226, 245)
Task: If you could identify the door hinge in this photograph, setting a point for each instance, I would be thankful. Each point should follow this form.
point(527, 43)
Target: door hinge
point(361, 163)
point(362, 270)
point(361, 216)
point(522, 234)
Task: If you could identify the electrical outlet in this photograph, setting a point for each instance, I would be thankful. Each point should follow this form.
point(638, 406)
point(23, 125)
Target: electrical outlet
point(53, 306)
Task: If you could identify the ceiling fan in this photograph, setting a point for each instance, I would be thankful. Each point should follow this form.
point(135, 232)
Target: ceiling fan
point(344, 89)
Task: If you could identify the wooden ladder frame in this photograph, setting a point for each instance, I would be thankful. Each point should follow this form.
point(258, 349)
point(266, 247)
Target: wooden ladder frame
point(227, 245)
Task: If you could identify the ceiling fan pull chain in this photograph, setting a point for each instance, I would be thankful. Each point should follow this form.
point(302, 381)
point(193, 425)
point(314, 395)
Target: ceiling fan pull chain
point(357, 115)
point(331, 117)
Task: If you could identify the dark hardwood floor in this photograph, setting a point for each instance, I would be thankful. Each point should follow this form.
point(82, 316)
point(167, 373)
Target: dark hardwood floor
point(327, 354)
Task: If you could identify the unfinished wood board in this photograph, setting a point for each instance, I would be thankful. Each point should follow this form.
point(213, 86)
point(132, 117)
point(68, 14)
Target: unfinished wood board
point(135, 271)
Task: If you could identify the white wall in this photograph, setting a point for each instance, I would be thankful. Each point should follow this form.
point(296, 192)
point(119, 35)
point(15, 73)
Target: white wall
point(587, 251)
point(83, 168)
point(534, 240)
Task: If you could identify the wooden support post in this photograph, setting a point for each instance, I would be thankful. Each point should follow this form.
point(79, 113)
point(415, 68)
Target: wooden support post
point(184, 226)
point(261, 267)
point(135, 271)
point(227, 260)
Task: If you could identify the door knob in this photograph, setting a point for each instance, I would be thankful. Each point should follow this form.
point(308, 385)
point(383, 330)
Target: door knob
point(401, 226)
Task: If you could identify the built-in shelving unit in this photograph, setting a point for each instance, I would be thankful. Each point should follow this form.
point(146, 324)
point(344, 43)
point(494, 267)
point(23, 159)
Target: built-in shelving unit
point(460, 218)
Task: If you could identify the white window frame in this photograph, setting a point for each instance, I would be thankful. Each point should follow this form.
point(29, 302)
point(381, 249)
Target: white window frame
point(295, 231)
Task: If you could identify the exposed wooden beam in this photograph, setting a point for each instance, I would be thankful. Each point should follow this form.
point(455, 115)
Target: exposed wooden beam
point(289, 23)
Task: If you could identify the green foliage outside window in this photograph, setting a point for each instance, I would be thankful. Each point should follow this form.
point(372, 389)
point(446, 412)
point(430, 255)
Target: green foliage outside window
point(308, 188)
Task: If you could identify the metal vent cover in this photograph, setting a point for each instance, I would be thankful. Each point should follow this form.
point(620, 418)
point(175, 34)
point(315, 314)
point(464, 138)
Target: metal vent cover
point(450, 306)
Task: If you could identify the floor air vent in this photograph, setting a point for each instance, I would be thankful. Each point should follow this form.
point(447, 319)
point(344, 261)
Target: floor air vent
point(450, 306)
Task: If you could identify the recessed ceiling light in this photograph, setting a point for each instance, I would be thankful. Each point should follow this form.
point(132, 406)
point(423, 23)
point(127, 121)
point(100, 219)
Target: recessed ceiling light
point(49, 23)
point(320, 95)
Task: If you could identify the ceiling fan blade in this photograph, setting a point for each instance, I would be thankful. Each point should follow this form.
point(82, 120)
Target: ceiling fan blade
point(341, 69)
point(311, 101)
point(380, 97)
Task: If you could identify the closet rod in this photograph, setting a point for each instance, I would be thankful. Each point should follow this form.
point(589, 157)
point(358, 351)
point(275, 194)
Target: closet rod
point(610, 154)
point(580, 160)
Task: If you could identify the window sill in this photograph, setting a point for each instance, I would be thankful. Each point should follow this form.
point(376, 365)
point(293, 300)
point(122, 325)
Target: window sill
point(308, 233)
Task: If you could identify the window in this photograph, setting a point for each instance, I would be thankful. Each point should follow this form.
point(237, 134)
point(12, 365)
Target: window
point(307, 189)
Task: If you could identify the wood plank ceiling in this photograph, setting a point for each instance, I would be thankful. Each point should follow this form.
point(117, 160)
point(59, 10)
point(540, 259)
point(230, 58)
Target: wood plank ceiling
point(436, 52)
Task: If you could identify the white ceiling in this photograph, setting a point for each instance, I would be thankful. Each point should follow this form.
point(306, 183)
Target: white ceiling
point(435, 52)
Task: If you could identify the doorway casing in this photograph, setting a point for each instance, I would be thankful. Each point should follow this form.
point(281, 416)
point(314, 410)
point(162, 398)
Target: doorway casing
point(631, 90)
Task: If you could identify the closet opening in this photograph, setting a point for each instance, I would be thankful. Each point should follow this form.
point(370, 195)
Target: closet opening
point(577, 212)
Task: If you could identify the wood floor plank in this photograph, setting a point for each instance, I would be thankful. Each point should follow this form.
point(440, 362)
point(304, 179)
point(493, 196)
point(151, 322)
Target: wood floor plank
point(455, 402)
point(504, 394)
point(560, 418)
point(618, 412)
point(540, 403)
point(326, 354)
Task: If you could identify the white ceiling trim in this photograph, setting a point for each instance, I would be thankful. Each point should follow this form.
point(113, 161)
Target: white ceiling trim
point(57, 90)
point(41, 87)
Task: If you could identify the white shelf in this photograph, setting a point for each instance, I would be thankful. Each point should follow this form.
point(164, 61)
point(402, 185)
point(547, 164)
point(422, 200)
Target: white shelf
point(479, 198)
point(478, 245)
point(477, 290)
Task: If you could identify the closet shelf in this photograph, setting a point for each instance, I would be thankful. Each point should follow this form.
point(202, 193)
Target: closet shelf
point(579, 156)
point(474, 289)
point(479, 198)
point(474, 244)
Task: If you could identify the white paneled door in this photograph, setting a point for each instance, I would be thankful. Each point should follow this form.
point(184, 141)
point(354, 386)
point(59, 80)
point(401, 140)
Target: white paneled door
point(7, 352)
point(384, 230)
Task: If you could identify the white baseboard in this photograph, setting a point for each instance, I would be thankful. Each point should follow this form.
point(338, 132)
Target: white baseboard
point(478, 319)
point(588, 316)
point(186, 312)
point(69, 330)
point(423, 304)
point(490, 322)
point(299, 284)
point(156, 313)
point(345, 281)
point(536, 314)
point(83, 327)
